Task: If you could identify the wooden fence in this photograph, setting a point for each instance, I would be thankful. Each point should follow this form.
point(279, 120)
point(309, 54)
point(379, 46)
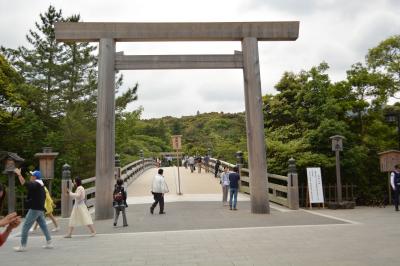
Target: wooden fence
point(348, 193)
point(278, 186)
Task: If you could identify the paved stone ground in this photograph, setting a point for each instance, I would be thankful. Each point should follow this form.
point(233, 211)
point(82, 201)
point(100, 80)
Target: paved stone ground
point(206, 233)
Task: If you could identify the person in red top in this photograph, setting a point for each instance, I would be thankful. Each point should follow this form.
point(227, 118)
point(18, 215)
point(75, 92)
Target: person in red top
point(12, 220)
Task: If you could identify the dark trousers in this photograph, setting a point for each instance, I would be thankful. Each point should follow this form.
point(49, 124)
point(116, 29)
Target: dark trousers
point(158, 198)
point(216, 171)
point(396, 197)
point(119, 209)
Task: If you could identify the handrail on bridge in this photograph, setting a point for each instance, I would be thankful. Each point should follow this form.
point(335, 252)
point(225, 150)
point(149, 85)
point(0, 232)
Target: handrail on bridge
point(282, 190)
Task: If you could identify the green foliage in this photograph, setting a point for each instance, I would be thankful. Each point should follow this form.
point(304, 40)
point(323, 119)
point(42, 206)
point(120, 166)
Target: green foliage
point(385, 60)
point(309, 109)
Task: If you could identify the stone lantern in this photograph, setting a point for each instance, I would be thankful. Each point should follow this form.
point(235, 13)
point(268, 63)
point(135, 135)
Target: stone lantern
point(11, 161)
point(46, 164)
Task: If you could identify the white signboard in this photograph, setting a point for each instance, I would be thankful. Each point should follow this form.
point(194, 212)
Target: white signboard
point(314, 181)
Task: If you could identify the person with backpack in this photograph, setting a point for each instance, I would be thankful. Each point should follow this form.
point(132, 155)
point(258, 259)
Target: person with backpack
point(395, 182)
point(119, 202)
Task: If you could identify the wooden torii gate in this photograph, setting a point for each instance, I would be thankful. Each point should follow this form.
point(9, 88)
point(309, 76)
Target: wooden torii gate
point(107, 34)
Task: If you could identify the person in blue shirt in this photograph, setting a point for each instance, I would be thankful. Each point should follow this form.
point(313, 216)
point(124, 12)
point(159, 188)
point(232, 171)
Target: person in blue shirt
point(234, 179)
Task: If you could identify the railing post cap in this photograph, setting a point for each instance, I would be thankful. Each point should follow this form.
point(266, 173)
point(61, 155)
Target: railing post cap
point(292, 165)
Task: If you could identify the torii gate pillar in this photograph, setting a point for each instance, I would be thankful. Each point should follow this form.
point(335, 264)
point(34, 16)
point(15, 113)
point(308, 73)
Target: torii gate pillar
point(255, 127)
point(105, 133)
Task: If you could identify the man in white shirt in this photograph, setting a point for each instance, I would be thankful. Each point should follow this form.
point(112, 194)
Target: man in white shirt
point(159, 187)
point(395, 182)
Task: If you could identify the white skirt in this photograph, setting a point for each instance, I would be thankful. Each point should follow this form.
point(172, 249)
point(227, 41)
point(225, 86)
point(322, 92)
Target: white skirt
point(80, 216)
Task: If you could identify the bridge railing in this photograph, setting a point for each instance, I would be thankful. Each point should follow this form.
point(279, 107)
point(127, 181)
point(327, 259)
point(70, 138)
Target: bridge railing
point(133, 170)
point(282, 190)
point(128, 173)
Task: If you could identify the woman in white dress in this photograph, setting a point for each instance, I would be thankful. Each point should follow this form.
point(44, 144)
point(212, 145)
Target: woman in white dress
point(80, 215)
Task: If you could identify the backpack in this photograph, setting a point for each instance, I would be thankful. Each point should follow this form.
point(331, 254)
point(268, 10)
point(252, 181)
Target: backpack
point(118, 196)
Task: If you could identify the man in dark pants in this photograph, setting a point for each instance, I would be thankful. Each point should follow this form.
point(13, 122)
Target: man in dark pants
point(159, 187)
point(395, 182)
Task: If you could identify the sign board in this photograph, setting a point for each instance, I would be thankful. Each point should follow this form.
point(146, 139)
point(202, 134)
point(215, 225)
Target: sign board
point(388, 159)
point(314, 181)
point(176, 142)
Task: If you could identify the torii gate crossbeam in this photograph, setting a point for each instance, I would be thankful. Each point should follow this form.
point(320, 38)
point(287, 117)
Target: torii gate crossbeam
point(107, 34)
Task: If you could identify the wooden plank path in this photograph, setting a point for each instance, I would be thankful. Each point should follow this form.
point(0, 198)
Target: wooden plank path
point(191, 183)
point(194, 186)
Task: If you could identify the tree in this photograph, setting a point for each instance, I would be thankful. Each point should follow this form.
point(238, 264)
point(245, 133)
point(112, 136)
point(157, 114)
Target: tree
point(385, 59)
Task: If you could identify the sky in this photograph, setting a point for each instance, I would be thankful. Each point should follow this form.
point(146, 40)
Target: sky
point(338, 32)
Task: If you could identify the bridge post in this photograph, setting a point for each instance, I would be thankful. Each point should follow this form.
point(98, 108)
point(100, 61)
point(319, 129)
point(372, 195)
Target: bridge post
point(105, 134)
point(255, 127)
point(66, 200)
point(293, 186)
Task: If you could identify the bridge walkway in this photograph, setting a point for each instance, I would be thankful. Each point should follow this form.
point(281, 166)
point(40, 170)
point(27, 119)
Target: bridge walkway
point(194, 186)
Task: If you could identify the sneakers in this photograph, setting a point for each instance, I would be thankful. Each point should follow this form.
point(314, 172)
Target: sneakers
point(55, 229)
point(48, 245)
point(20, 249)
point(67, 236)
point(93, 234)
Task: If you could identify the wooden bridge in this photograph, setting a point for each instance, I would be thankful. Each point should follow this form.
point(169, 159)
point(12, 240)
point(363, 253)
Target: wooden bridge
point(282, 190)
